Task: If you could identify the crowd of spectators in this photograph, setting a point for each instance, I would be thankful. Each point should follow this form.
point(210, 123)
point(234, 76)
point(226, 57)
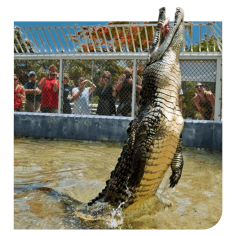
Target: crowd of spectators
point(113, 98)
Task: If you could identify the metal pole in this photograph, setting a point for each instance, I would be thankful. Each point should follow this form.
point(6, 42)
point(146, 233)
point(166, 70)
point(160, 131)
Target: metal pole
point(218, 95)
point(134, 88)
point(92, 76)
point(221, 84)
point(61, 88)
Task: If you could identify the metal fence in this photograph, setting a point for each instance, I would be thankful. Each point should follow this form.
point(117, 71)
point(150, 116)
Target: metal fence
point(113, 37)
point(106, 87)
point(94, 63)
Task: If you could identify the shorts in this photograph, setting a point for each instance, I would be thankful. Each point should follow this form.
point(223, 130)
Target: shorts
point(124, 109)
point(31, 107)
point(49, 110)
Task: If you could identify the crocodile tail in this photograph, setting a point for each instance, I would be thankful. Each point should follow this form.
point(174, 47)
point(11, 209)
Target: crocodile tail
point(115, 190)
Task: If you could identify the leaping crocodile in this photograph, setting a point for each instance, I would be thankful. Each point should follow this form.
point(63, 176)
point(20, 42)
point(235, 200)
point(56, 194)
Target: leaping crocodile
point(153, 142)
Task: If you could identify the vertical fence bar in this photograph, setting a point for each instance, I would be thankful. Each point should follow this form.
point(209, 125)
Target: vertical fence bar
point(91, 38)
point(65, 38)
point(191, 38)
point(145, 27)
point(59, 39)
point(71, 38)
point(134, 88)
point(183, 39)
point(105, 39)
point(127, 47)
point(50, 33)
point(16, 48)
point(79, 39)
point(118, 37)
point(31, 44)
point(85, 39)
point(61, 88)
point(131, 32)
point(36, 43)
point(23, 40)
point(15, 37)
point(207, 37)
point(41, 41)
point(218, 95)
point(221, 100)
point(112, 40)
point(46, 39)
point(200, 35)
point(141, 49)
point(96, 31)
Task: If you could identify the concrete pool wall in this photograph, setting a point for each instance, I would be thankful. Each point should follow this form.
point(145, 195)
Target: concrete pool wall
point(196, 133)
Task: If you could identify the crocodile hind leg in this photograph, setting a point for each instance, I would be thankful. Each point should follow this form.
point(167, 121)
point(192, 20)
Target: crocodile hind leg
point(176, 167)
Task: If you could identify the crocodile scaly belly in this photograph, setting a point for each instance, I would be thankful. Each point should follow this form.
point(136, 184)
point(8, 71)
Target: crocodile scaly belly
point(159, 157)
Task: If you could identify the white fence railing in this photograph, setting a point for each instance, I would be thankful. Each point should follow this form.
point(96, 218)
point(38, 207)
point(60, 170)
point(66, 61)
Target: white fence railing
point(111, 38)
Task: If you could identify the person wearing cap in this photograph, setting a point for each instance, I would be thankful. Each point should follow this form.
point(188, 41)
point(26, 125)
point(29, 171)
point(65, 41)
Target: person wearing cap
point(124, 92)
point(49, 86)
point(33, 94)
point(204, 101)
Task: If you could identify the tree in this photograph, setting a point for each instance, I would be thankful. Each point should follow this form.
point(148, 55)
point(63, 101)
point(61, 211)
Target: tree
point(211, 42)
point(115, 38)
point(23, 67)
point(20, 43)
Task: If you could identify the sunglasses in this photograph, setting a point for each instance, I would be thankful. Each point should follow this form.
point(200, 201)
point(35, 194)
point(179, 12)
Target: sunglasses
point(105, 77)
point(198, 86)
point(52, 74)
point(15, 79)
point(128, 76)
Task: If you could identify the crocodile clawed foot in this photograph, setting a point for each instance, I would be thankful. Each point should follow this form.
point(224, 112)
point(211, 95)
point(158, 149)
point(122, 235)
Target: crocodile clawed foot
point(174, 178)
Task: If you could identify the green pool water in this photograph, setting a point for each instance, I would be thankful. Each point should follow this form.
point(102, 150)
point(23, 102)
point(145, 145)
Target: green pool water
point(80, 169)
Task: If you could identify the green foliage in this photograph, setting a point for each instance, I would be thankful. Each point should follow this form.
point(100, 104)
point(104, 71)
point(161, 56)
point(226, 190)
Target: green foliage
point(211, 43)
point(23, 67)
point(189, 108)
point(94, 100)
point(92, 69)
point(18, 41)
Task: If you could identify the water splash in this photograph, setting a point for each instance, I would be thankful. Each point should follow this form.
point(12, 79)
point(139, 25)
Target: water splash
point(116, 213)
point(116, 217)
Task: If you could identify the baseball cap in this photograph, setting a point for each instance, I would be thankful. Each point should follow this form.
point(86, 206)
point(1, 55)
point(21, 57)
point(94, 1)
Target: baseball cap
point(31, 73)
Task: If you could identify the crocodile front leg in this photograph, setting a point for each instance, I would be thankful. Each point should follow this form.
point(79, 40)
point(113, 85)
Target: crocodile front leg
point(177, 164)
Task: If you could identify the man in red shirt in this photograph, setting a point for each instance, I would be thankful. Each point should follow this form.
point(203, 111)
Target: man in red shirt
point(49, 86)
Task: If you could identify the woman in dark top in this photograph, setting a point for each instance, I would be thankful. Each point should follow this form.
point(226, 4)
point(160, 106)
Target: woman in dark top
point(106, 103)
point(67, 96)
